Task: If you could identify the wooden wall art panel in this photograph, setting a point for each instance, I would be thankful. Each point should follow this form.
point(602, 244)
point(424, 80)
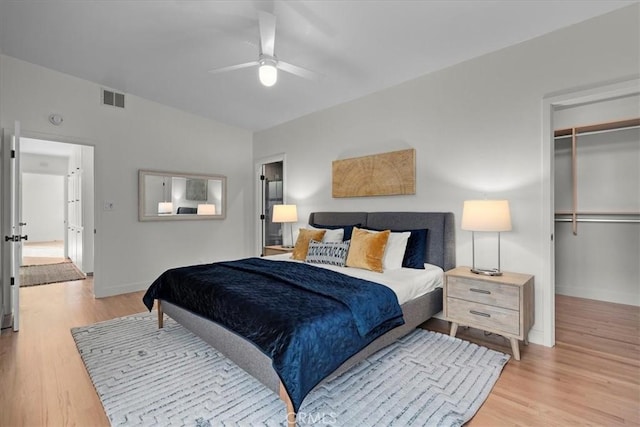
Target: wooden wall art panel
point(384, 174)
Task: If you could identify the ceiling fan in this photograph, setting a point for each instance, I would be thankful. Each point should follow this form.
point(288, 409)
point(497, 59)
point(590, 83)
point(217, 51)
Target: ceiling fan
point(267, 61)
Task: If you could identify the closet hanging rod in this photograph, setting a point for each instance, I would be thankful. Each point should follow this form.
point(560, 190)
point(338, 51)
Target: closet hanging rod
point(598, 127)
point(595, 132)
point(613, 213)
point(602, 220)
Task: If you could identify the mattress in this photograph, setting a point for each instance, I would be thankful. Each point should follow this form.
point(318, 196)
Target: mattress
point(406, 283)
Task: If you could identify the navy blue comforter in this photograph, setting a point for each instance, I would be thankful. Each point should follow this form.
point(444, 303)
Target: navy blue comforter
point(307, 319)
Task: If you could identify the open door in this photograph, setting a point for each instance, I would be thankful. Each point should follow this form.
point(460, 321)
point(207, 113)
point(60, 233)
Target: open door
point(272, 194)
point(12, 224)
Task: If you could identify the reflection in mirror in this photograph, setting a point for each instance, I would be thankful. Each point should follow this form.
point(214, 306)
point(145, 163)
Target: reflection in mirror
point(180, 196)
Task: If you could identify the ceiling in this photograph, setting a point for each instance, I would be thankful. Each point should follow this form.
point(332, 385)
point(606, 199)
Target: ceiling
point(162, 50)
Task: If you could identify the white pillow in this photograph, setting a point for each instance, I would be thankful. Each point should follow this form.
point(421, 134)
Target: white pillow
point(395, 249)
point(330, 236)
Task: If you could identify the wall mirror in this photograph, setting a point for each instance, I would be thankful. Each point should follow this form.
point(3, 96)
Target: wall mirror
point(171, 196)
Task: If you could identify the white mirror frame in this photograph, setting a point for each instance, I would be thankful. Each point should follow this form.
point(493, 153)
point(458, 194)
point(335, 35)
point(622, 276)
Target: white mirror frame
point(148, 209)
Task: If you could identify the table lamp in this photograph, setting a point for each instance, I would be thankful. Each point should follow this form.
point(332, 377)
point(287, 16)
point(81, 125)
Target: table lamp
point(206, 209)
point(486, 215)
point(283, 214)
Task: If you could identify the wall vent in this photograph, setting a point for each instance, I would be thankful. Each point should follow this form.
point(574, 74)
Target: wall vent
point(112, 98)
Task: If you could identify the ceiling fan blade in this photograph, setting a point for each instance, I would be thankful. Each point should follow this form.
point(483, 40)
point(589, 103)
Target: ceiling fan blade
point(267, 33)
point(233, 67)
point(298, 71)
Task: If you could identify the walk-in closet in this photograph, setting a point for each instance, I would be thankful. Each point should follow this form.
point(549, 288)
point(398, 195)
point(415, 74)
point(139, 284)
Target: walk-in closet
point(597, 200)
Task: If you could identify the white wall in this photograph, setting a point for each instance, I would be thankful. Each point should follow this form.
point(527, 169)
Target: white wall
point(43, 205)
point(146, 135)
point(43, 184)
point(5, 288)
point(477, 130)
point(88, 208)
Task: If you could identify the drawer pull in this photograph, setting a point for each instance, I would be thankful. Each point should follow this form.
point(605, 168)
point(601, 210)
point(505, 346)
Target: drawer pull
point(479, 313)
point(480, 291)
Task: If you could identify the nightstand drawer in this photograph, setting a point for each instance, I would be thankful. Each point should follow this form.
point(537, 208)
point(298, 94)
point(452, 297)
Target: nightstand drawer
point(495, 294)
point(276, 250)
point(483, 316)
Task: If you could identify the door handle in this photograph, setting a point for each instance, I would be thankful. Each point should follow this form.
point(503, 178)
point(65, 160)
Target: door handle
point(15, 238)
point(21, 224)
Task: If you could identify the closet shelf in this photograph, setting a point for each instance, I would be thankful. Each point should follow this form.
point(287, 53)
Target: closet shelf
point(597, 128)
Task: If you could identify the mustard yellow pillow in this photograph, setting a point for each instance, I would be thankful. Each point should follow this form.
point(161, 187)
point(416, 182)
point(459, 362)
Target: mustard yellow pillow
point(302, 243)
point(367, 249)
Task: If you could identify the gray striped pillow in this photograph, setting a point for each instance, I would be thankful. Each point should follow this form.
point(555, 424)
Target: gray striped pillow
point(333, 253)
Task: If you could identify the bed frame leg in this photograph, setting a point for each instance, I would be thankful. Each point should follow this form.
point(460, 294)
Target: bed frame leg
point(291, 414)
point(160, 315)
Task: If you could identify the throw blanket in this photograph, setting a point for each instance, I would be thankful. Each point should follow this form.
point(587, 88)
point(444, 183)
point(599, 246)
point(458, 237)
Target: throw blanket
point(307, 319)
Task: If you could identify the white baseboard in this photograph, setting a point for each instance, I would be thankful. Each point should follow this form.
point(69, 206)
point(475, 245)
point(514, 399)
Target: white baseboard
point(121, 289)
point(536, 337)
point(599, 294)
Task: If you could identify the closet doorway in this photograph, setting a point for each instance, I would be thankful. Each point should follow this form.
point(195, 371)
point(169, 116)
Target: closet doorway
point(596, 210)
point(597, 200)
point(588, 106)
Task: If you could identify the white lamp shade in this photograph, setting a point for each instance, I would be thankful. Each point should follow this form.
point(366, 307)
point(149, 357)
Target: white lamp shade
point(165, 208)
point(486, 215)
point(285, 213)
point(268, 74)
point(206, 209)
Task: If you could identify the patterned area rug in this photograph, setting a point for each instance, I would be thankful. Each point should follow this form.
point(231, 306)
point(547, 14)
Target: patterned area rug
point(32, 275)
point(150, 376)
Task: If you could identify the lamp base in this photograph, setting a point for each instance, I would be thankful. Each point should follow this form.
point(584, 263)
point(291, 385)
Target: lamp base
point(487, 271)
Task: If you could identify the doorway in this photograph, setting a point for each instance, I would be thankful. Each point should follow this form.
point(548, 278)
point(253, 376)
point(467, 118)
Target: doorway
point(270, 191)
point(43, 211)
point(552, 104)
point(57, 211)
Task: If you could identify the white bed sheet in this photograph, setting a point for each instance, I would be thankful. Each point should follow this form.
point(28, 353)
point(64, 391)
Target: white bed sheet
point(407, 283)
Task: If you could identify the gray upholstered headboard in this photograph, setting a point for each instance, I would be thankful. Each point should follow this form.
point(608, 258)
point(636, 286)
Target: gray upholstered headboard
point(440, 237)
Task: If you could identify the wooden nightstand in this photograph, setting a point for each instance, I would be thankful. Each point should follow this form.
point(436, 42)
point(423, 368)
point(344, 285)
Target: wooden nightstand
point(276, 250)
point(502, 305)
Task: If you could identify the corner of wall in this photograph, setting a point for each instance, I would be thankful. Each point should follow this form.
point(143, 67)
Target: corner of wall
point(1, 84)
point(4, 289)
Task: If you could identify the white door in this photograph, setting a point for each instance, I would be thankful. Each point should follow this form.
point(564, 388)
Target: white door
point(13, 224)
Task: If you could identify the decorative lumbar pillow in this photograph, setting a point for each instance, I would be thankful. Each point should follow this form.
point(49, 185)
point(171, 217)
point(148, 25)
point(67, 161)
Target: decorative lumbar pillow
point(302, 243)
point(332, 253)
point(367, 249)
point(331, 235)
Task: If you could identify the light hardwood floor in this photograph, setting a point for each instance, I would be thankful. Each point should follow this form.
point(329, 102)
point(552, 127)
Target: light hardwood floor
point(591, 377)
point(39, 253)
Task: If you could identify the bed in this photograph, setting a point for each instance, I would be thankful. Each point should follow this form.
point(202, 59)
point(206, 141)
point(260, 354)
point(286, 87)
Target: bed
point(245, 353)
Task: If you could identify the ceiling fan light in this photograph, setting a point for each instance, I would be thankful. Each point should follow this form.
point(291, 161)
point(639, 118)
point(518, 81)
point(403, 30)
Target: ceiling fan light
point(268, 75)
